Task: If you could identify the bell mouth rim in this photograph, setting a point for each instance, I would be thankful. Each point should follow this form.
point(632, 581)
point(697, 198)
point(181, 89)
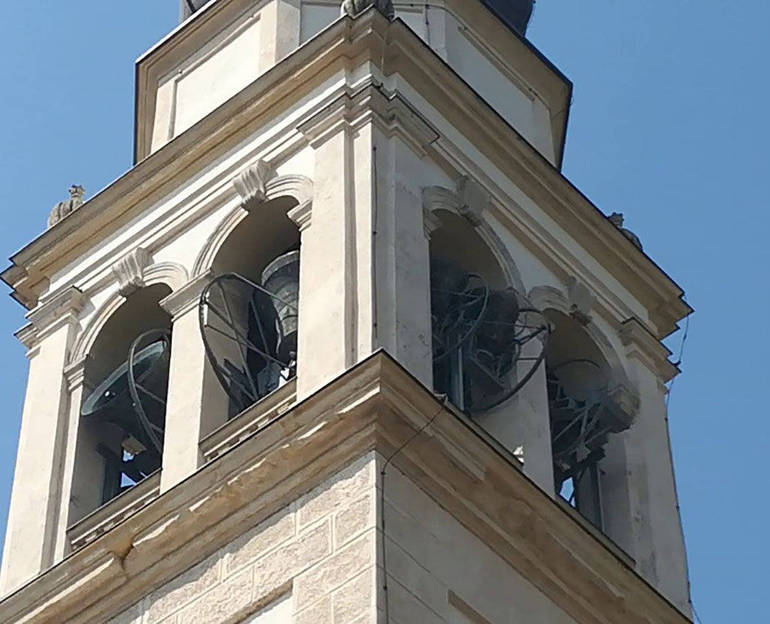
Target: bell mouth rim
point(284, 260)
point(155, 349)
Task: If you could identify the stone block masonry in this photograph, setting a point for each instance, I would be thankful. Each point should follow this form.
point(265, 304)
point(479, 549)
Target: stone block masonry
point(315, 558)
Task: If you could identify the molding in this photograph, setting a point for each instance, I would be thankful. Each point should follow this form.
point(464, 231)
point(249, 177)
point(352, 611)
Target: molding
point(430, 222)
point(549, 297)
point(181, 301)
point(371, 103)
point(302, 215)
point(129, 270)
point(88, 336)
point(173, 274)
point(74, 373)
point(170, 273)
point(363, 40)
point(53, 312)
point(28, 336)
point(377, 406)
point(641, 345)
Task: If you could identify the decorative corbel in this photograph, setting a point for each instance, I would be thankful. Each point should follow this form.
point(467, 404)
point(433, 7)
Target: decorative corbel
point(580, 300)
point(353, 8)
point(473, 200)
point(130, 270)
point(251, 184)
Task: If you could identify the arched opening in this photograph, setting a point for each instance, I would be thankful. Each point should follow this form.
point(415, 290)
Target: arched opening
point(122, 414)
point(248, 314)
point(488, 340)
point(583, 414)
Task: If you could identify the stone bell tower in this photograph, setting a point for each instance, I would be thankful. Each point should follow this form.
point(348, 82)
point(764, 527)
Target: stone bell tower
point(344, 346)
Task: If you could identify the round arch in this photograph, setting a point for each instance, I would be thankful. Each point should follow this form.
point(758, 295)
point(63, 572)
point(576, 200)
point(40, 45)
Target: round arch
point(295, 187)
point(170, 274)
point(437, 199)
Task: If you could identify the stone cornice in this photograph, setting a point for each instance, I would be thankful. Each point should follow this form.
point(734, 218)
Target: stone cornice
point(343, 43)
point(643, 346)
point(59, 309)
point(376, 405)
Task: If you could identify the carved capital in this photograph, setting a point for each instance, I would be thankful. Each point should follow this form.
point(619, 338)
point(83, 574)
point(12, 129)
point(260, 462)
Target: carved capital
point(353, 8)
point(251, 184)
point(130, 270)
point(64, 305)
point(186, 298)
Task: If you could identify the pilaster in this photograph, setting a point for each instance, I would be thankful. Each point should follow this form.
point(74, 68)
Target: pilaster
point(639, 471)
point(36, 499)
point(195, 404)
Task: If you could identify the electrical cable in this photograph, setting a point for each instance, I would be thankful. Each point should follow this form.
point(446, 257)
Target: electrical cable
point(382, 500)
point(678, 363)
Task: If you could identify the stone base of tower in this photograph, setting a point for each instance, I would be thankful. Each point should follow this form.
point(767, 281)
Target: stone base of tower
point(285, 523)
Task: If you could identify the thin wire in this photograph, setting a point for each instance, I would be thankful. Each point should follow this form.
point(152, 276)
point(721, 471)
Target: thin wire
point(382, 501)
point(695, 613)
point(678, 363)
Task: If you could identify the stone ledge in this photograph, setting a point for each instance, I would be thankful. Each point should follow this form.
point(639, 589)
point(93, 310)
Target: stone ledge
point(374, 406)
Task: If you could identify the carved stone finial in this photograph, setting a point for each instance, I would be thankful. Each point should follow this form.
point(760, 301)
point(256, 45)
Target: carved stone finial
point(616, 218)
point(356, 7)
point(68, 206)
point(251, 184)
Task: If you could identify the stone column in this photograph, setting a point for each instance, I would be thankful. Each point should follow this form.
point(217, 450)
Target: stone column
point(36, 500)
point(195, 403)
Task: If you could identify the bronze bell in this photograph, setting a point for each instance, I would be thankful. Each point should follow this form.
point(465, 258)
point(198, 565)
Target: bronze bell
point(281, 279)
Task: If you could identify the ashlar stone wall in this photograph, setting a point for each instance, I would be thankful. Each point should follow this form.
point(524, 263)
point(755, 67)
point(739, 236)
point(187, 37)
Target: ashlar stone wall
point(313, 562)
point(317, 561)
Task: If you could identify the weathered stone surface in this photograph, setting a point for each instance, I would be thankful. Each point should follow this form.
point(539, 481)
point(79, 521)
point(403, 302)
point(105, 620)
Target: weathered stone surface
point(336, 570)
point(318, 613)
point(268, 535)
point(355, 599)
point(184, 588)
point(338, 492)
point(283, 564)
point(222, 602)
point(356, 518)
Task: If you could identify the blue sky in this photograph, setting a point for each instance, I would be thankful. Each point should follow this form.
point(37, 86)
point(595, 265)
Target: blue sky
point(669, 126)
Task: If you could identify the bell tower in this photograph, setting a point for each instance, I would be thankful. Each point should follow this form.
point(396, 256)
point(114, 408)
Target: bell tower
point(344, 346)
